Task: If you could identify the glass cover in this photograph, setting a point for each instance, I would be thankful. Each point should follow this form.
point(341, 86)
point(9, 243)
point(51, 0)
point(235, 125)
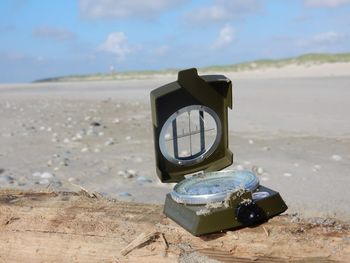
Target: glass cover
point(213, 186)
point(190, 134)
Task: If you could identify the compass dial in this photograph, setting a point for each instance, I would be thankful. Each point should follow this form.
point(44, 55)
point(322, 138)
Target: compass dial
point(213, 186)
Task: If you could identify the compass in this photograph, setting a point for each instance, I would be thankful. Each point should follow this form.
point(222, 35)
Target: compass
point(190, 128)
point(213, 186)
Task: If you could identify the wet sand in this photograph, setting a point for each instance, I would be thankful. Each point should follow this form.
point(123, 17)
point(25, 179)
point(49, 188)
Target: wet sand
point(293, 131)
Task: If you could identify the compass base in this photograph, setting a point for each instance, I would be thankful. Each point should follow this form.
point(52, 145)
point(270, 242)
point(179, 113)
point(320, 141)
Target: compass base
point(202, 219)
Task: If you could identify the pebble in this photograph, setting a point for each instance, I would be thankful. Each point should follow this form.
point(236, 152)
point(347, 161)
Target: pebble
point(116, 120)
point(143, 179)
point(44, 175)
point(85, 149)
point(131, 173)
point(66, 140)
point(78, 136)
point(287, 174)
point(257, 170)
point(336, 157)
point(124, 194)
point(95, 124)
point(43, 181)
point(316, 168)
point(260, 170)
point(296, 164)
point(110, 141)
point(121, 173)
point(128, 138)
point(64, 162)
point(251, 142)
point(264, 178)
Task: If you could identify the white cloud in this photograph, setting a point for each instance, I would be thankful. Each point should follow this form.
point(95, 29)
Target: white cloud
point(326, 3)
point(226, 37)
point(222, 11)
point(322, 39)
point(117, 44)
point(116, 9)
point(161, 50)
point(54, 33)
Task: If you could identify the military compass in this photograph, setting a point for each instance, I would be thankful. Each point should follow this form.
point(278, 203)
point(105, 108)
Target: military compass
point(190, 124)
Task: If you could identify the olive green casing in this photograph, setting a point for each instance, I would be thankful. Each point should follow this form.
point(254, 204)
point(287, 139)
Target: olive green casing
point(224, 217)
point(212, 91)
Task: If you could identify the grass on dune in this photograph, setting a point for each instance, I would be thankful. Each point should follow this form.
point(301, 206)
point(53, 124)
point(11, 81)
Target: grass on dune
point(308, 59)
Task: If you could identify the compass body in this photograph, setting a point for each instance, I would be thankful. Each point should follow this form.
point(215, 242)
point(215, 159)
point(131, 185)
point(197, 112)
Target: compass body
point(190, 124)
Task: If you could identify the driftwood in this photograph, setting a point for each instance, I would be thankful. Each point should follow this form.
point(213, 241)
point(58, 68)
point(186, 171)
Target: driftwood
point(73, 227)
point(142, 239)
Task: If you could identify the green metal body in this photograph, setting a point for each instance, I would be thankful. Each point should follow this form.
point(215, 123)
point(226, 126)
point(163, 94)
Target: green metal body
point(222, 218)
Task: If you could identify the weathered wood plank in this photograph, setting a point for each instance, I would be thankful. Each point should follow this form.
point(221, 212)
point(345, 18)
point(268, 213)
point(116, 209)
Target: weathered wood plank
point(70, 227)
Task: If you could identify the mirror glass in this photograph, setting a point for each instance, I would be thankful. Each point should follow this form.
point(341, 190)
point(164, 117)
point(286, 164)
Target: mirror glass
point(190, 134)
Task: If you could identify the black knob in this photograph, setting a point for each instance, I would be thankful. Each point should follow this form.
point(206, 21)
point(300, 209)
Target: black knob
point(249, 214)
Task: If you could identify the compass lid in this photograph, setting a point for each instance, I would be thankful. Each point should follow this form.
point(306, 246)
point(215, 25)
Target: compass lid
point(190, 125)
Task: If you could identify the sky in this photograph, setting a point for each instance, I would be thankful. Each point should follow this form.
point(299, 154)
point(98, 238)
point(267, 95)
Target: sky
point(42, 39)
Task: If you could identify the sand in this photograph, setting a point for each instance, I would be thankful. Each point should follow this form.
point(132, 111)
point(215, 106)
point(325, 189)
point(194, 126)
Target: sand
point(291, 125)
point(80, 155)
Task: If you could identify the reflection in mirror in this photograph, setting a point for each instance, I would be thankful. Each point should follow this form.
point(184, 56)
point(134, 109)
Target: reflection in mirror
point(189, 134)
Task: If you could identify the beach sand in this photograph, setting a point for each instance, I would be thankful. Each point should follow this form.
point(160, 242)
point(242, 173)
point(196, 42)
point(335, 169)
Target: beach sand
point(289, 125)
point(98, 135)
